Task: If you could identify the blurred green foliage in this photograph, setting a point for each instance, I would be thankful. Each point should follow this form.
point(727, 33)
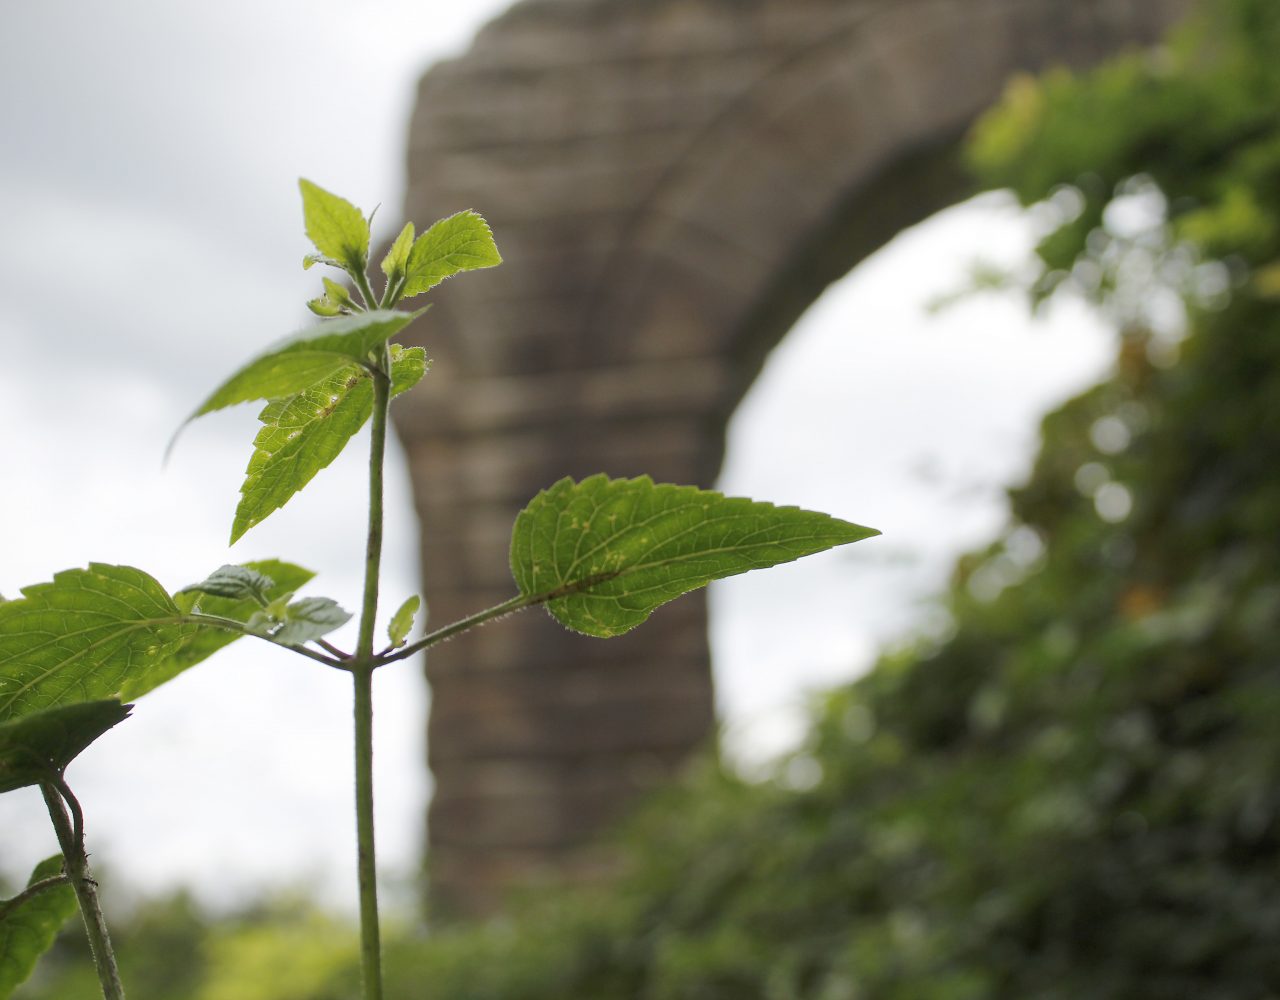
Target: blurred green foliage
point(1075, 792)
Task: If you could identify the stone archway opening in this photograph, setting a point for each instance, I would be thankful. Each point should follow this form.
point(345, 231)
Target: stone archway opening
point(879, 405)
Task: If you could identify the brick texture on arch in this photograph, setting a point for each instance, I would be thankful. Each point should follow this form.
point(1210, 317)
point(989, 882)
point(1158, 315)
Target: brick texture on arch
point(671, 183)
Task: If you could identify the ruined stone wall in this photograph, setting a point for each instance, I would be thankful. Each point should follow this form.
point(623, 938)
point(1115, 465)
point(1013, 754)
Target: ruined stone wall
point(671, 182)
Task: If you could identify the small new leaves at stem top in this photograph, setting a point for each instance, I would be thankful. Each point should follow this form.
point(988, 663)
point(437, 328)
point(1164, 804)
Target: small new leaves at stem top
point(341, 234)
point(316, 383)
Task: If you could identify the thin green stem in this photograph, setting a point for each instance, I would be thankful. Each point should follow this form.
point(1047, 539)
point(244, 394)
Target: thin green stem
point(366, 858)
point(517, 603)
point(70, 831)
point(373, 548)
point(362, 667)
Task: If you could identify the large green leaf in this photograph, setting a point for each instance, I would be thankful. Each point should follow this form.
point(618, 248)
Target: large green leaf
point(303, 433)
point(86, 635)
point(337, 228)
point(604, 553)
point(461, 242)
point(307, 357)
point(282, 579)
point(40, 745)
point(29, 925)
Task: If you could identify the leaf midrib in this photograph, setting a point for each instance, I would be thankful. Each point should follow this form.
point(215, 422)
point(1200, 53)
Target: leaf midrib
point(640, 525)
point(595, 581)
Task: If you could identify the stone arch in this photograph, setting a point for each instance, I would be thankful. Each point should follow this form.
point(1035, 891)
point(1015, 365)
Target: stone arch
point(671, 182)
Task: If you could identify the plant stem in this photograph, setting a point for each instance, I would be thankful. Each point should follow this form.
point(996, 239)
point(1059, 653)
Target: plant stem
point(71, 838)
point(373, 549)
point(362, 668)
point(366, 860)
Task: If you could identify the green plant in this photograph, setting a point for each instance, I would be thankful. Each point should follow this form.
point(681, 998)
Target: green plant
point(600, 555)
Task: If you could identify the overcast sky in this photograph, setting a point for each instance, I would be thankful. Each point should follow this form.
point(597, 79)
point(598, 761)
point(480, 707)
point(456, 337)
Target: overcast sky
point(148, 160)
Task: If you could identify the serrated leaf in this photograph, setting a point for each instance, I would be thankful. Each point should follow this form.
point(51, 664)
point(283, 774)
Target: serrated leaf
point(461, 242)
point(300, 436)
point(237, 583)
point(402, 621)
point(86, 635)
point(335, 226)
point(307, 357)
point(204, 642)
point(408, 366)
point(40, 745)
point(605, 553)
point(396, 261)
point(304, 433)
point(28, 927)
point(309, 618)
